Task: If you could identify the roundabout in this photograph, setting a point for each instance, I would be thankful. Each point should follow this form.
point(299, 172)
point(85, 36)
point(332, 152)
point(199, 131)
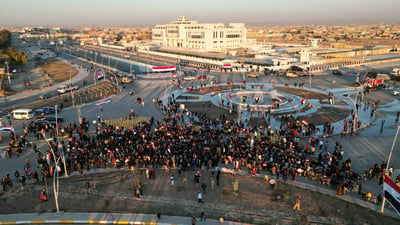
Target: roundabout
point(270, 104)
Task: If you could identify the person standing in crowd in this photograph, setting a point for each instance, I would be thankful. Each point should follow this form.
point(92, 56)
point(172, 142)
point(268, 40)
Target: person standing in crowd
point(193, 220)
point(199, 197)
point(43, 196)
point(202, 215)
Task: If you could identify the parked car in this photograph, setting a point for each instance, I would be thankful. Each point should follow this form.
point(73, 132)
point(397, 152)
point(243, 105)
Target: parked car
point(7, 129)
point(43, 123)
point(337, 72)
point(45, 96)
point(53, 119)
point(46, 110)
point(252, 75)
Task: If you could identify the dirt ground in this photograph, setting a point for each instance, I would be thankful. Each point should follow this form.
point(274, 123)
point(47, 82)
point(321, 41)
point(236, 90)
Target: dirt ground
point(58, 71)
point(255, 202)
point(325, 114)
point(211, 111)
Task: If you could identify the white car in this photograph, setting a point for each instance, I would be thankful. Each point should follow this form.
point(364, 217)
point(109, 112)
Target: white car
point(189, 78)
point(396, 93)
point(7, 129)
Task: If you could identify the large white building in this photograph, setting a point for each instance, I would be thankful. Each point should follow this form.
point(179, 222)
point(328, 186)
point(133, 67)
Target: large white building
point(186, 33)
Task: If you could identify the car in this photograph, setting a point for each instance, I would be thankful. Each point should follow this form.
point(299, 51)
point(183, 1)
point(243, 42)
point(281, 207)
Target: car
point(252, 75)
point(189, 78)
point(396, 93)
point(43, 123)
point(46, 110)
point(337, 72)
point(53, 119)
point(7, 129)
point(45, 96)
point(202, 77)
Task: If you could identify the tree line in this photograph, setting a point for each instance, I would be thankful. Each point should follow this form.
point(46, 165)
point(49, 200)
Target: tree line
point(18, 57)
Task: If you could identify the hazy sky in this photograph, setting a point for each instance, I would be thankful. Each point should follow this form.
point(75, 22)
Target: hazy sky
point(151, 12)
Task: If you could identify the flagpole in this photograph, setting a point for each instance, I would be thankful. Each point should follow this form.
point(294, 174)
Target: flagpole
point(387, 167)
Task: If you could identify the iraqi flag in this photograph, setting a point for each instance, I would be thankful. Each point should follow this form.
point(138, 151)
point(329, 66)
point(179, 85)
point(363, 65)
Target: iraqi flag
point(392, 193)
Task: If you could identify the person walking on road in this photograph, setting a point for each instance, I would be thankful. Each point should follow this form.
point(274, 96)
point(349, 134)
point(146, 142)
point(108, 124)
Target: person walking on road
point(298, 202)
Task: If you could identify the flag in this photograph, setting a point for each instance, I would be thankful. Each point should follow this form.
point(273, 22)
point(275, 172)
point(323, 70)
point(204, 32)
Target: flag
point(392, 193)
point(230, 96)
point(304, 122)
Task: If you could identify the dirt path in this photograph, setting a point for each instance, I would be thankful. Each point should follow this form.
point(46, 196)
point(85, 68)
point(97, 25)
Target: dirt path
point(255, 201)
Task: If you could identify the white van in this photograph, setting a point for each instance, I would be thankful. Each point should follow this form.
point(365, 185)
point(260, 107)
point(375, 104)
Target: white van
point(22, 114)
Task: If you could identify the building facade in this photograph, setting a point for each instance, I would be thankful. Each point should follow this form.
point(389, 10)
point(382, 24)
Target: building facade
point(190, 34)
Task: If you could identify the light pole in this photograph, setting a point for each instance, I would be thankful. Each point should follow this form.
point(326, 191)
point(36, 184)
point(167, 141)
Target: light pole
point(8, 73)
point(387, 166)
point(55, 175)
point(59, 146)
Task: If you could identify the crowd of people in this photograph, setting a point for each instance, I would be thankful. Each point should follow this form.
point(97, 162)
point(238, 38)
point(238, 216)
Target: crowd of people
point(169, 143)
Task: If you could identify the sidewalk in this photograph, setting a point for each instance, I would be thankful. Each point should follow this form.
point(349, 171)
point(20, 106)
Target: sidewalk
point(102, 218)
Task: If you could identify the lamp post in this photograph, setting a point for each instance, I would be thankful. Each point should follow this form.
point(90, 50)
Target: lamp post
point(59, 146)
point(8, 73)
point(55, 175)
point(387, 166)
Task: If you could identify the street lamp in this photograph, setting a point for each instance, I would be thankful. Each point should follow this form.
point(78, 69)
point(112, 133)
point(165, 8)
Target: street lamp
point(55, 175)
point(8, 73)
point(59, 146)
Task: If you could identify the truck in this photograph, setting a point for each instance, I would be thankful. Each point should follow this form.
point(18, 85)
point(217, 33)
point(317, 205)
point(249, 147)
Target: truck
point(66, 88)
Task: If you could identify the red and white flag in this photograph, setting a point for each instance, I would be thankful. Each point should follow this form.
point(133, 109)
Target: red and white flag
point(392, 193)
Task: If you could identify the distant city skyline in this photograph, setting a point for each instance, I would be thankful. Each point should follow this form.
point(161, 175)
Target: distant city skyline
point(20, 13)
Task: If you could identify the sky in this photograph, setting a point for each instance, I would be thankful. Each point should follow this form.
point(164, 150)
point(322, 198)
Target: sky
point(130, 13)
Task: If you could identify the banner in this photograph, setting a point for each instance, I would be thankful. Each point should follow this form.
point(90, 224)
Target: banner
point(392, 193)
